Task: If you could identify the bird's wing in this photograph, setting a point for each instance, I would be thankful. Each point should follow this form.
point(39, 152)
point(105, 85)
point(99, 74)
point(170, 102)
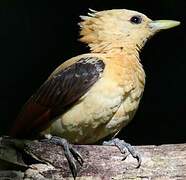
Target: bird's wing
point(56, 95)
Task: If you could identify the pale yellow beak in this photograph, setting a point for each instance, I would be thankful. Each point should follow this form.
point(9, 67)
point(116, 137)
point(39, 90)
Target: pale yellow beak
point(163, 24)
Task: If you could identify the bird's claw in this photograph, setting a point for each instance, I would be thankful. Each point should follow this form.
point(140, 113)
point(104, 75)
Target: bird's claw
point(77, 155)
point(71, 153)
point(123, 147)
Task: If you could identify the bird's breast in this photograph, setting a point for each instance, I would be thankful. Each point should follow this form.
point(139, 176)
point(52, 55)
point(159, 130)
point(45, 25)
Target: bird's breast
point(105, 108)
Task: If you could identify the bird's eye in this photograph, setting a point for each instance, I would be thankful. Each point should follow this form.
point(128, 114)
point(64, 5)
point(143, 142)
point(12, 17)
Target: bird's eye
point(136, 19)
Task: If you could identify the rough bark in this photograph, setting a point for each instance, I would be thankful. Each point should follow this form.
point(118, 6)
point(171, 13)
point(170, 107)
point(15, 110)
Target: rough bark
point(47, 161)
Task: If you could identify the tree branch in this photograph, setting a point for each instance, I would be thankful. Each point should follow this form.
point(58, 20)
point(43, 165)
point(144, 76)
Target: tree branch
point(101, 162)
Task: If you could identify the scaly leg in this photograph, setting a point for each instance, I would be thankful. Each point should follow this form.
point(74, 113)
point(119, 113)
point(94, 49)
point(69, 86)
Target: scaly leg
point(123, 147)
point(70, 153)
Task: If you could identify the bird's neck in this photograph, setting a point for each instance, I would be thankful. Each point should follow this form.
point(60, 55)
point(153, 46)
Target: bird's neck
point(115, 48)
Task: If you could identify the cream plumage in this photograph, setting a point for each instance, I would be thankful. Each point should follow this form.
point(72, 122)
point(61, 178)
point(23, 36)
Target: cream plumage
point(94, 95)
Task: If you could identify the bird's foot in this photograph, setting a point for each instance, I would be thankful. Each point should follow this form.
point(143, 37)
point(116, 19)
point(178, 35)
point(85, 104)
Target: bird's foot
point(70, 153)
point(124, 148)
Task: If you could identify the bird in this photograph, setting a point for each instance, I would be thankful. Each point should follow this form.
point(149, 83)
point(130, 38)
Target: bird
point(94, 95)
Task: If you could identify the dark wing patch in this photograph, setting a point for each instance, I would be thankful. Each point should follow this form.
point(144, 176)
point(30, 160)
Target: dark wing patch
point(56, 95)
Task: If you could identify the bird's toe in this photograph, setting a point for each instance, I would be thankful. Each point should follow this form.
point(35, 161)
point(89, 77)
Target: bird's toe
point(71, 153)
point(125, 148)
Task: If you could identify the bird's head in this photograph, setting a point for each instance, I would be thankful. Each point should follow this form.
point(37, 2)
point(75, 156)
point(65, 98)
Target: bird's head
point(124, 29)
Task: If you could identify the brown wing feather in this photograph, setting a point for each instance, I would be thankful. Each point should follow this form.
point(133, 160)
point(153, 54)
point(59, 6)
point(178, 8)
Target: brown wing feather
point(56, 95)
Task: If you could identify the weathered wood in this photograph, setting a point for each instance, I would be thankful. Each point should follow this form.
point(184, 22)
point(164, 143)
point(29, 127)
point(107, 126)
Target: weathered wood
point(101, 162)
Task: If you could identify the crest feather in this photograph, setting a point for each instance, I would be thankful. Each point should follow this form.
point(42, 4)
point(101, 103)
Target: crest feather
point(92, 10)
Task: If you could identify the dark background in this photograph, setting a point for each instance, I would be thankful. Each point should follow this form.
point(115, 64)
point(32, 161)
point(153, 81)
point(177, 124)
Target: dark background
point(36, 36)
